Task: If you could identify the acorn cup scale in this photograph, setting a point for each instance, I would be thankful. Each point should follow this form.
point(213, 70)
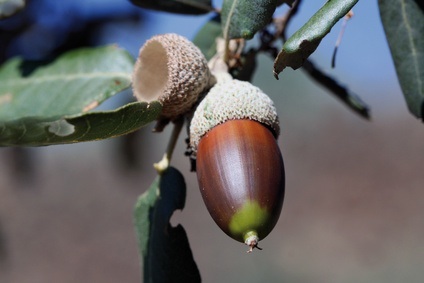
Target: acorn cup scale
point(239, 165)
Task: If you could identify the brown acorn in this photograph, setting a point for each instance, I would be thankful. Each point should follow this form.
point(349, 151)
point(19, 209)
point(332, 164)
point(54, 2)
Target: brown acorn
point(238, 162)
point(172, 70)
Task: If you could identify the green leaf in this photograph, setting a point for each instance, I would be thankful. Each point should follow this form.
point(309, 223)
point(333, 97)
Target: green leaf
point(74, 83)
point(403, 22)
point(10, 7)
point(190, 7)
point(205, 38)
point(165, 249)
point(243, 18)
point(304, 41)
point(86, 127)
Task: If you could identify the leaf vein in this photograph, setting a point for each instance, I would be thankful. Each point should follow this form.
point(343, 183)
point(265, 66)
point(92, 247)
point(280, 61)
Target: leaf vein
point(228, 20)
point(414, 52)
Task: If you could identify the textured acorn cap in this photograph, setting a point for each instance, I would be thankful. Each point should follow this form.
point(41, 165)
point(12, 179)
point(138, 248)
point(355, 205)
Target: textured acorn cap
point(229, 100)
point(172, 70)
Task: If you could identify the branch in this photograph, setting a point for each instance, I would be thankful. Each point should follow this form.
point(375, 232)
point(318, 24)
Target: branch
point(351, 100)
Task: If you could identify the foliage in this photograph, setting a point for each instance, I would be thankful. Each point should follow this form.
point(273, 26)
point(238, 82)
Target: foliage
point(403, 23)
point(165, 249)
point(50, 102)
point(30, 131)
point(44, 103)
point(242, 19)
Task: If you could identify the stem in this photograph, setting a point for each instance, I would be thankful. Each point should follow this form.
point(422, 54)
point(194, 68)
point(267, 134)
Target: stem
point(282, 22)
point(226, 50)
point(163, 164)
point(289, 16)
point(217, 64)
point(252, 239)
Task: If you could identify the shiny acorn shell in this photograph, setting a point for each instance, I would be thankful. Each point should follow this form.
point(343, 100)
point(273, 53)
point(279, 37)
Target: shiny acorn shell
point(241, 176)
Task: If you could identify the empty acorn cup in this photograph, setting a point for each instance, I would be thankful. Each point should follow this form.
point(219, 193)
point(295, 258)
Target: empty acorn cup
point(173, 71)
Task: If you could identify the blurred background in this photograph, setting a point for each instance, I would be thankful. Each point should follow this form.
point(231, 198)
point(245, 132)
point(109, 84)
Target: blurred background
point(354, 193)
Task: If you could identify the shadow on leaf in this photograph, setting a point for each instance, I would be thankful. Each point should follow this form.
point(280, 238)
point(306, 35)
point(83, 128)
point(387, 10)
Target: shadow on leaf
point(28, 67)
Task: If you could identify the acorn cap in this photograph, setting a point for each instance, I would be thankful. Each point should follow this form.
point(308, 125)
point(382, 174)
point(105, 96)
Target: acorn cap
point(172, 70)
point(229, 100)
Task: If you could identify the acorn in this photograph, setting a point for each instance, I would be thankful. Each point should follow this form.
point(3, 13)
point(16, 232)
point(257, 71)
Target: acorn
point(240, 170)
point(172, 70)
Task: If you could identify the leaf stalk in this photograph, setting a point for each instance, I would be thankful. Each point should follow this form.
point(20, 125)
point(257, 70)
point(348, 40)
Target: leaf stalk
point(163, 164)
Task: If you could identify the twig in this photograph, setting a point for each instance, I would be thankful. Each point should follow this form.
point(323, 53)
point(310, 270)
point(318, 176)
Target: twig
point(353, 101)
point(282, 23)
point(163, 164)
